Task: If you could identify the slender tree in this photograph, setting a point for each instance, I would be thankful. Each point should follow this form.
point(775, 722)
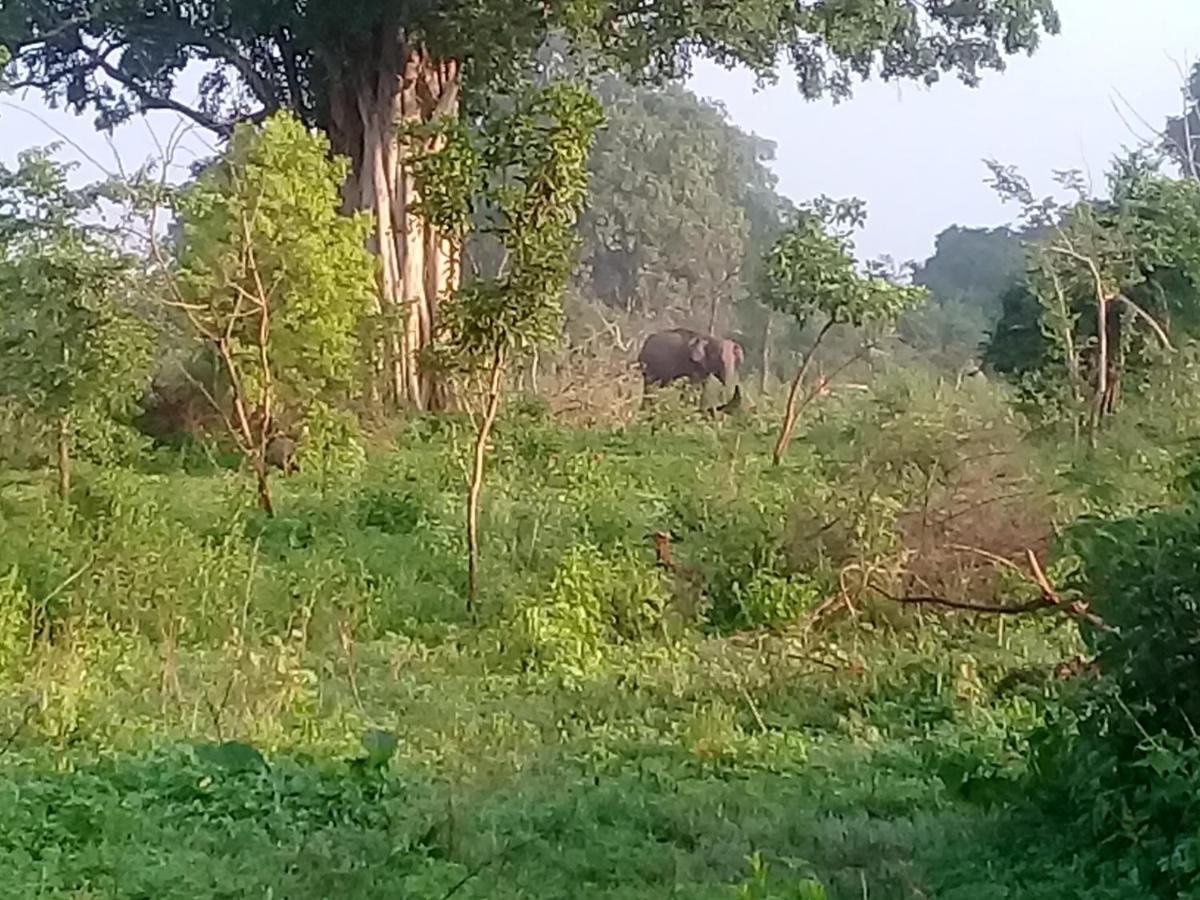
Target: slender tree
point(810, 274)
point(359, 68)
point(1108, 282)
point(268, 275)
point(71, 346)
point(523, 178)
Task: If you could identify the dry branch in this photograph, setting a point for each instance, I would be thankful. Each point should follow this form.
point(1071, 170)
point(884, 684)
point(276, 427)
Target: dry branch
point(1048, 601)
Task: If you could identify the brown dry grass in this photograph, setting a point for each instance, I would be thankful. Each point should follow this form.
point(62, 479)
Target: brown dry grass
point(989, 508)
point(588, 390)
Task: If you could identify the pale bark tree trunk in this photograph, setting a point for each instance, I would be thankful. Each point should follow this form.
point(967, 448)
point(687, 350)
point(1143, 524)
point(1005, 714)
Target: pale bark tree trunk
point(792, 410)
point(64, 457)
point(765, 372)
point(394, 85)
point(475, 485)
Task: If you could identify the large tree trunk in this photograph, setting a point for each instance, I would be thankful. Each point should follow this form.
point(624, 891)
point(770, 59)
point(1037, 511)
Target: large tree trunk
point(371, 98)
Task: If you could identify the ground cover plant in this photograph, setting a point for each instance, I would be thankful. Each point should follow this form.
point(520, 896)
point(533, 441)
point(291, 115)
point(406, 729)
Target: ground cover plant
point(201, 700)
point(340, 556)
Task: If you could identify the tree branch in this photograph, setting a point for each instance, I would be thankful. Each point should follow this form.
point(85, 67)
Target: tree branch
point(1158, 330)
point(266, 92)
point(1049, 601)
point(149, 101)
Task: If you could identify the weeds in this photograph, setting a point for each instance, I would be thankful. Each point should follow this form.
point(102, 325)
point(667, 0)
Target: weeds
point(611, 726)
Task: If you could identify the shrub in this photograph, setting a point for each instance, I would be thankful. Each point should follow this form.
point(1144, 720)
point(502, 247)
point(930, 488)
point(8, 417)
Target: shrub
point(1142, 575)
point(770, 599)
point(595, 599)
point(1121, 762)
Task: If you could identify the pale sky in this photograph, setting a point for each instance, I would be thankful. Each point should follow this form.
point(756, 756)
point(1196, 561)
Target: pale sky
point(914, 154)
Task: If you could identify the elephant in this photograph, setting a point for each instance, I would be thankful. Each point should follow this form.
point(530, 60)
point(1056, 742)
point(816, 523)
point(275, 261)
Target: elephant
point(667, 356)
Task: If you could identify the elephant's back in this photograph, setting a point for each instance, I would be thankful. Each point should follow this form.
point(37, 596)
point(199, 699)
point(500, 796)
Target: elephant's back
point(672, 337)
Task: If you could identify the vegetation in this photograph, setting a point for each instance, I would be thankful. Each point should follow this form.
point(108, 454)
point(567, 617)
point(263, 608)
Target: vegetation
point(682, 204)
point(361, 71)
point(270, 276)
point(1110, 281)
point(526, 176)
point(942, 647)
point(967, 277)
point(73, 353)
point(592, 716)
point(810, 273)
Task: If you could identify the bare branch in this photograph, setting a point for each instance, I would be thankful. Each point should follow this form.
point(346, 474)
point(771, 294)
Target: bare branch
point(1158, 330)
point(150, 102)
point(1049, 601)
point(65, 138)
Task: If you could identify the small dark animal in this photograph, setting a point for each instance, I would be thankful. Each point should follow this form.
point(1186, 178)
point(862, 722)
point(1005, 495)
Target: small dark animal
point(688, 602)
point(281, 454)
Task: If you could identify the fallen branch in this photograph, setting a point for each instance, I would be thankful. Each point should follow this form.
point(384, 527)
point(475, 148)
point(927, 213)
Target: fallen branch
point(995, 609)
point(1049, 601)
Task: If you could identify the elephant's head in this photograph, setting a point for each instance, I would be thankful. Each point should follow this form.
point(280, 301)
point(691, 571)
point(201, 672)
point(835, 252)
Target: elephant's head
point(718, 357)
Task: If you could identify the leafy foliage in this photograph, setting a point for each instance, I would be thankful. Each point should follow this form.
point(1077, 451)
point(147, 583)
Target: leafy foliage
point(265, 224)
point(524, 176)
point(811, 272)
point(968, 275)
point(73, 351)
point(268, 276)
point(681, 203)
point(1120, 764)
point(1140, 573)
point(1128, 261)
point(263, 56)
point(595, 601)
point(632, 737)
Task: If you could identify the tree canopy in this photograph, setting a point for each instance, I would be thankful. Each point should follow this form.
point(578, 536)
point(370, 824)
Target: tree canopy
point(72, 351)
point(811, 275)
point(1112, 282)
point(967, 275)
point(121, 57)
point(681, 199)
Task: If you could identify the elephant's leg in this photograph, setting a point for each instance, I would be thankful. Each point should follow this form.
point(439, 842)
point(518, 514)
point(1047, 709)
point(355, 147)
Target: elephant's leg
point(707, 404)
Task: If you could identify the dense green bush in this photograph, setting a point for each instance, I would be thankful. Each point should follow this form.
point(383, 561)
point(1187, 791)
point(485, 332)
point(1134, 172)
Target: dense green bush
point(1119, 764)
point(595, 600)
point(1142, 576)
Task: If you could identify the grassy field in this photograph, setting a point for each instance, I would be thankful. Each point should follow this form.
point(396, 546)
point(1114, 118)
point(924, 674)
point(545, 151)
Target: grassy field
point(200, 702)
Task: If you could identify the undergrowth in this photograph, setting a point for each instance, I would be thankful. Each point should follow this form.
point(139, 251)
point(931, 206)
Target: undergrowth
point(198, 701)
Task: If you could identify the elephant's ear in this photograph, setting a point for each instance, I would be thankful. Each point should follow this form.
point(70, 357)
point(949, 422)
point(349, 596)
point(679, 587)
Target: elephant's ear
point(697, 347)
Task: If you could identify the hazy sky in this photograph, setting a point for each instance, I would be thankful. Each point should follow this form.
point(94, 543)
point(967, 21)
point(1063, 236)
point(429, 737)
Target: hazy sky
point(914, 154)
